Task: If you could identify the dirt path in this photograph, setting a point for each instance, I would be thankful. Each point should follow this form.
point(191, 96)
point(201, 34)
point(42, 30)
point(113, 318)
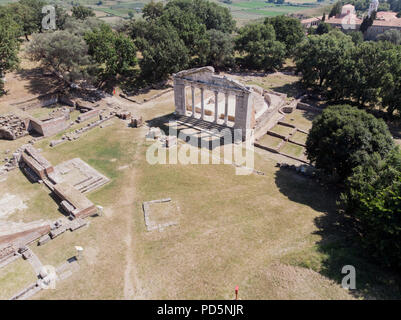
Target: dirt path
point(133, 288)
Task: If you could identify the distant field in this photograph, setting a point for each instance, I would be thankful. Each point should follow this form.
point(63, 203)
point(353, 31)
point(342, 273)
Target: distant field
point(243, 11)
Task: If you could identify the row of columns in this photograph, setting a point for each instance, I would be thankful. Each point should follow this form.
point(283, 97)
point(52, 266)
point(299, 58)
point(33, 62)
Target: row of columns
point(216, 105)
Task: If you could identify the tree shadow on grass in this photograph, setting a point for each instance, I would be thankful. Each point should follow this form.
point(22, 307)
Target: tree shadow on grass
point(38, 83)
point(338, 245)
point(292, 90)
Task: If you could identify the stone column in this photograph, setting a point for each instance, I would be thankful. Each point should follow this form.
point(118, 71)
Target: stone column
point(243, 112)
point(226, 109)
point(216, 105)
point(179, 96)
point(193, 101)
point(202, 104)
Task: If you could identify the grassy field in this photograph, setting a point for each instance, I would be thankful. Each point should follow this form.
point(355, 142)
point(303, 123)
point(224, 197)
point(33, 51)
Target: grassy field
point(293, 149)
point(15, 277)
point(269, 141)
point(272, 235)
point(301, 118)
point(283, 130)
point(299, 137)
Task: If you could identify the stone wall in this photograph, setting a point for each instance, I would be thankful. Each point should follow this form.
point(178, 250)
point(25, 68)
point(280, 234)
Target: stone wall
point(88, 115)
point(49, 127)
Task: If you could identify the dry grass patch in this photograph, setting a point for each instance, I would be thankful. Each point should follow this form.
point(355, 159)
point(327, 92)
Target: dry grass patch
point(282, 130)
point(269, 141)
point(15, 277)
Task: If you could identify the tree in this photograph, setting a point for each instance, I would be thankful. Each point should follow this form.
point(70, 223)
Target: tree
point(80, 12)
point(321, 58)
point(367, 22)
point(61, 17)
point(152, 10)
point(392, 35)
point(343, 138)
point(258, 43)
point(63, 53)
point(212, 15)
point(391, 92)
point(27, 14)
point(372, 198)
point(323, 28)
point(371, 71)
point(189, 27)
point(9, 46)
point(336, 9)
point(220, 50)
point(356, 36)
point(288, 31)
point(116, 51)
point(163, 52)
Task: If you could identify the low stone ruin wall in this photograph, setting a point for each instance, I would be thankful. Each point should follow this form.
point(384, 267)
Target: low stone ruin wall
point(88, 115)
point(308, 107)
point(12, 127)
point(41, 167)
point(49, 127)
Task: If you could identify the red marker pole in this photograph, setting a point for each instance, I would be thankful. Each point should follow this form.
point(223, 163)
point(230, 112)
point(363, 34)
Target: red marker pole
point(236, 293)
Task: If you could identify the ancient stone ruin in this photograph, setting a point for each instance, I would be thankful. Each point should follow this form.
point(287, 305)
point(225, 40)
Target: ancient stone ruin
point(12, 127)
point(232, 104)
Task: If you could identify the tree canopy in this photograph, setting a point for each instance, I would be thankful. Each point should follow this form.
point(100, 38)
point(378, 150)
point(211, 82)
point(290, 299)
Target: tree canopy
point(344, 137)
point(373, 199)
point(9, 46)
point(80, 12)
point(258, 43)
point(116, 51)
point(288, 31)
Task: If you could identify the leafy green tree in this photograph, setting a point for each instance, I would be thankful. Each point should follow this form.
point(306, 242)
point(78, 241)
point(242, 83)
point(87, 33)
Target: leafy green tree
point(367, 22)
point(320, 58)
point(356, 36)
point(80, 12)
point(9, 46)
point(392, 35)
point(336, 9)
point(220, 49)
point(163, 52)
point(116, 51)
point(27, 14)
point(258, 43)
point(343, 138)
point(323, 28)
point(63, 53)
point(152, 10)
point(373, 199)
point(372, 71)
point(288, 31)
point(212, 15)
point(61, 17)
point(391, 90)
point(189, 27)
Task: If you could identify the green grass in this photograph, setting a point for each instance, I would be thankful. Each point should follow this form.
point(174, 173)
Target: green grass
point(299, 137)
point(283, 130)
point(270, 141)
point(301, 119)
point(293, 149)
